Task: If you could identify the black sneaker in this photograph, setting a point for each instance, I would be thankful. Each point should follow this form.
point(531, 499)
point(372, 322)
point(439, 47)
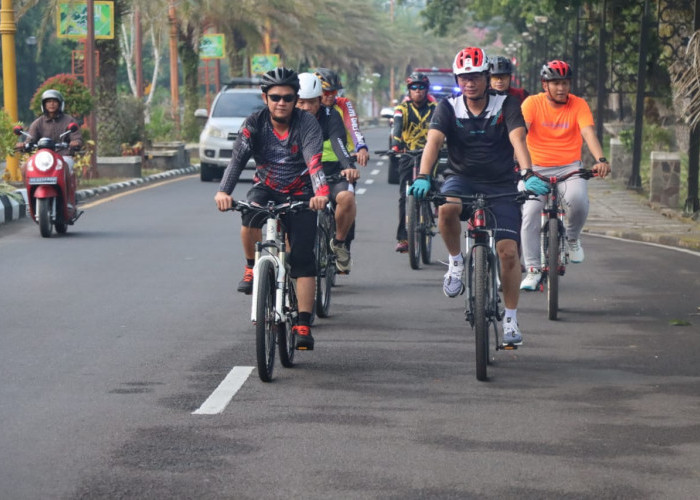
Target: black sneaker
point(304, 340)
point(246, 284)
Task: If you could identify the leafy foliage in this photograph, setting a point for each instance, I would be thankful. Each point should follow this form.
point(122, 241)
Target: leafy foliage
point(79, 102)
point(7, 136)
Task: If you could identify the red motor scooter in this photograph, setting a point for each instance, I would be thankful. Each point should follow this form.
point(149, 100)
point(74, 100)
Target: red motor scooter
point(50, 183)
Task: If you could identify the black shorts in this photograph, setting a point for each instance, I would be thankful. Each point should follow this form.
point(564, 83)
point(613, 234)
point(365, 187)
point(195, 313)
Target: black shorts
point(338, 187)
point(300, 227)
point(504, 213)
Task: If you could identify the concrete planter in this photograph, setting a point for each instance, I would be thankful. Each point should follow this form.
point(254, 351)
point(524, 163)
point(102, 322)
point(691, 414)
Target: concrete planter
point(119, 166)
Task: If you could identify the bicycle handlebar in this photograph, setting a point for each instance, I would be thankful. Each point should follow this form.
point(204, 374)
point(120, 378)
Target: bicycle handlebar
point(479, 198)
point(584, 173)
point(271, 208)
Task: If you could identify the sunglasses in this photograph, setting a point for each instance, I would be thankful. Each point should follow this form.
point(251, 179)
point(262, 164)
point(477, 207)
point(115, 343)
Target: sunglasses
point(417, 86)
point(279, 97)
point(330, 92)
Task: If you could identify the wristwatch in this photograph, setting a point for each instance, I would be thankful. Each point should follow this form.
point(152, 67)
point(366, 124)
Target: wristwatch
point(525, 174)
point(602, 159)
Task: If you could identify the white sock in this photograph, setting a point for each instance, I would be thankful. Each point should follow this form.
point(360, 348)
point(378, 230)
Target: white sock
point(511, 314)
point(456, 260)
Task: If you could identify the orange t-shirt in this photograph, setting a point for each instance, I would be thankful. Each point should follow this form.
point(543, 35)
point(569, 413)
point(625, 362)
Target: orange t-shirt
point(554, 137)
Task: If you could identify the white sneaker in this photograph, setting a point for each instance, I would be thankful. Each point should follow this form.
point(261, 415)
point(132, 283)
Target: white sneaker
point(575, 251)
point(452, 285)
point(511, 332)
point(532, 279)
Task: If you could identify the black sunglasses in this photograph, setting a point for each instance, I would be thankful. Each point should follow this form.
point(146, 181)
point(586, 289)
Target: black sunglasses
point(279, 97)
point(417, 86)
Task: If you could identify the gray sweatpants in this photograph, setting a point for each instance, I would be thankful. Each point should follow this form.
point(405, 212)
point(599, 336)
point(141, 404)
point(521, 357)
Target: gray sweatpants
point(574, 196)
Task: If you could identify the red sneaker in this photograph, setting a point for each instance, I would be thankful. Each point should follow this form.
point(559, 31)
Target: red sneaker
point(246, 284)
point(304, 340)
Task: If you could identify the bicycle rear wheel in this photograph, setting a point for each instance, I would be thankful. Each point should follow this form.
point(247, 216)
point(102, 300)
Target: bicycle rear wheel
point(426, 229)
point(265, 325)
point(412, 228)
point(553, 268)
point(479, 288)
point(325, 269)
point(285, 335)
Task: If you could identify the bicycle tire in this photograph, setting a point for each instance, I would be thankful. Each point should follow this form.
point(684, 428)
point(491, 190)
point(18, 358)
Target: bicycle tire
point(285, 334)
point(265, 325)
point(481, 323)
point(426, 225)
point(413, 231)
point(553, 245)
point(324, 267)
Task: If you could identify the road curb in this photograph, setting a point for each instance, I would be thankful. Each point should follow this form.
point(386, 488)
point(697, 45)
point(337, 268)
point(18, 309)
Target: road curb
point(11, 208)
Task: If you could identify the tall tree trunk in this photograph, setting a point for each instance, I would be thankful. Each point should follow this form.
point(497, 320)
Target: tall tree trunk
point(189, 56)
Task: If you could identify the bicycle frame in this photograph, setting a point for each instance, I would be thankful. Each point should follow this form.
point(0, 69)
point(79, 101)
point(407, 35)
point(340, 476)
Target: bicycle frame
point(273, 249)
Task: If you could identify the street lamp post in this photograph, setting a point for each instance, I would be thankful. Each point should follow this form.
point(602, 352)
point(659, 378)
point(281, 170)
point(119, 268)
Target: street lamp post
point(9, 74)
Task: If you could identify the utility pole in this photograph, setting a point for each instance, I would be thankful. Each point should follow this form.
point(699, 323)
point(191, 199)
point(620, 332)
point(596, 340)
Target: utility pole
point(635, 180)
point(392, 76)
point(174, 92)
point(90, 80)
point(9, 75)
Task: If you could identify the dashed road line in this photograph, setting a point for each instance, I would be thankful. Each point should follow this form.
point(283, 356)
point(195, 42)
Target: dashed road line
point(222, 395)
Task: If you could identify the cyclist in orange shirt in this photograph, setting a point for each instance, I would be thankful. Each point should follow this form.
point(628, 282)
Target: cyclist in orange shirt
point(558, 122)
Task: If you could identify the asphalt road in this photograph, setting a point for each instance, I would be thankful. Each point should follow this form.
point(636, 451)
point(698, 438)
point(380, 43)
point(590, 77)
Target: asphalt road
point(113, 335)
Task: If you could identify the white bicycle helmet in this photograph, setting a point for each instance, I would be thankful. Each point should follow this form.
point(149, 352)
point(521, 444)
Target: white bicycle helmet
point(470, 60)
point(310, 86)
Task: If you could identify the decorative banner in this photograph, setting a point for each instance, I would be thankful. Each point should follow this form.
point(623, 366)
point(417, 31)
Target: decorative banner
point(71, 19)
point(212, 46)
point(262, 63)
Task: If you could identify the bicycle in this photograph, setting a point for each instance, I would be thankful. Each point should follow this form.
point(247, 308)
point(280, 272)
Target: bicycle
point(484, 309)
point(274, 309)
point(554, 255)
point(421, 225)
point(325, 258)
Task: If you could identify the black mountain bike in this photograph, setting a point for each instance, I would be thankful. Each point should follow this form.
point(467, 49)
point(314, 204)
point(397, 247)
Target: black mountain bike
point(554, 254)
point(484, 309)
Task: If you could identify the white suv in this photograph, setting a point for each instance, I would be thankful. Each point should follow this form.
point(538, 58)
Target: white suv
point(230, 108)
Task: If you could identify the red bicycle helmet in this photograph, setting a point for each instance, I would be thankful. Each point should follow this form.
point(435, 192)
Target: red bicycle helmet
point(470, 60)
point(556, 70)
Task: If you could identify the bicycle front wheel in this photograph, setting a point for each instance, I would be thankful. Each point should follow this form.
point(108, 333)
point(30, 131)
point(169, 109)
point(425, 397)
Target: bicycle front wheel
point(479, 288)
point(325, 271)
point(413, 230)
point(265, 324)
point(426, 228)
point(553, 245)
point(285, 334)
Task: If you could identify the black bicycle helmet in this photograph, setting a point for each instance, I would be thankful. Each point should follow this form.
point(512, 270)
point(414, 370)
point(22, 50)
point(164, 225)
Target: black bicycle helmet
point(418, 77)
point(329, 79)
point(280, 77)
point(556, 70)
point(52, 94)
point(501, 66)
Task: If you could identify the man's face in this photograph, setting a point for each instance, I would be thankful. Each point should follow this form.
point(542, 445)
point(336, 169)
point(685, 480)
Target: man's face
point(500, 83)
point(328, 97)
point(280, 101)
point(557, 90)
point(418, 92)
point(472, 85)
point(311, 105)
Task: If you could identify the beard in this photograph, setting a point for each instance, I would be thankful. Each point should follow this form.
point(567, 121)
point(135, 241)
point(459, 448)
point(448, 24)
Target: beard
point(282, 119)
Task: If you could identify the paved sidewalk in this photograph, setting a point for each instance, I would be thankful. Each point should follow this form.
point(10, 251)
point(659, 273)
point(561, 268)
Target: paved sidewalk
point(622, 213)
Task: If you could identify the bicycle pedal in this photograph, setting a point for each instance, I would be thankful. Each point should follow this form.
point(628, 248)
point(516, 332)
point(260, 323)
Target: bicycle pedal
point(509, 347)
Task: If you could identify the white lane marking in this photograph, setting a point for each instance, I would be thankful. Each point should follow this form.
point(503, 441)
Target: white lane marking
point(360, 191)
point(217, 401)
point(648, 243)
point(369, 181)
point(380, 163)
point(375, 172)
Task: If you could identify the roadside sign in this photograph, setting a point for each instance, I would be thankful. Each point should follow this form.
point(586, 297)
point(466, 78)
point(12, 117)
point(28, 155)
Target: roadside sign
point(71, 19)
point(212, 46)
point(262, 63)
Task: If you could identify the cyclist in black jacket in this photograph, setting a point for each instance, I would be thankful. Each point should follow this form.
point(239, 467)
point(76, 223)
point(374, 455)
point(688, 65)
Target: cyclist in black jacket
point(286, 144)
point(341, 192)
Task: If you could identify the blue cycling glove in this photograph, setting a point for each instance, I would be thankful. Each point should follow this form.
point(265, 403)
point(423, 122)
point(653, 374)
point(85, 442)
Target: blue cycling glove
point(420, 188)
point(536, 185)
